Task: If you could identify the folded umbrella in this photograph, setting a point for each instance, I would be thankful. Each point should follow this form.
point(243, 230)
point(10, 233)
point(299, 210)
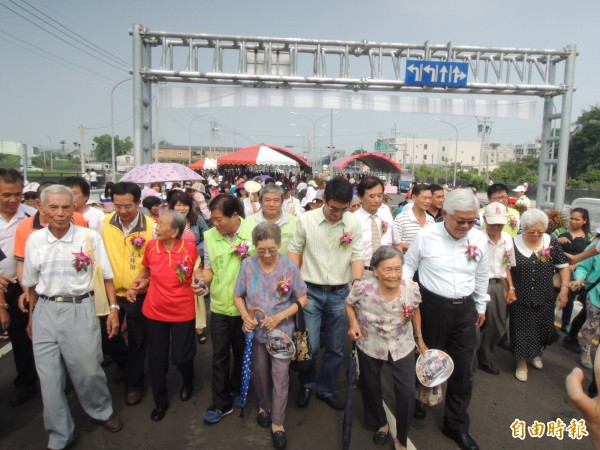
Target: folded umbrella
point(352, 378)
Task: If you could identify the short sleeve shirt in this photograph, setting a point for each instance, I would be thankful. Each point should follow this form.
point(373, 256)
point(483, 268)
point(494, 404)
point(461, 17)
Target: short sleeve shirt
point(385, 326)
point(261, 289)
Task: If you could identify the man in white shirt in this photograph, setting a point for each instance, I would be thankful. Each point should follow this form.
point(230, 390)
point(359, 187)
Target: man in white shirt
point(291, 205)
point(64, 326)
point(414, 216)
point(12, 319)
point(81, 195)
point(452, 261)
point(93, 179)
point(502, 292)
point(376, 221)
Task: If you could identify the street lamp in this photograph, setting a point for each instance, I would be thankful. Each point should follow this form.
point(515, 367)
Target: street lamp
point(314, 122)
point(112, 132)
point(190, 135)
point(455, 148)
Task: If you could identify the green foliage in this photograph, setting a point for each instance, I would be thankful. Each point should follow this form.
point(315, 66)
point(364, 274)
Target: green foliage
point(8, 161)
point(591, 176)
point(358, 152)
point(517, 172)
point(584, 147)
point(103, 147)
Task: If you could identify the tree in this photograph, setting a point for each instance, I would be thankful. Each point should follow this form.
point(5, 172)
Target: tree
point(584, 147)
point(517, 172)
point(103, 147)
point(592, 175)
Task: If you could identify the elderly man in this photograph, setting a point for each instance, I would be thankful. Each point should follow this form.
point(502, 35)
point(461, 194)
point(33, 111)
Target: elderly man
point(502, 292)
point(327, 246)
point(126, 233)
point(81, 193)
point(414, 216)
point(12, 318)
point(452, 261)
point(64, 326)
point(498, 192)
point(225, 246)
point(271, 198)
point(376, 221)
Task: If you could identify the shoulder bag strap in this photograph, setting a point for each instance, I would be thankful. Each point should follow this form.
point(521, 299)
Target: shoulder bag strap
point(299, 318)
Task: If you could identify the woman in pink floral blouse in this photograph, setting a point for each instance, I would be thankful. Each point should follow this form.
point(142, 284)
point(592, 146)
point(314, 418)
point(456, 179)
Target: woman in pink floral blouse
point(385, 322)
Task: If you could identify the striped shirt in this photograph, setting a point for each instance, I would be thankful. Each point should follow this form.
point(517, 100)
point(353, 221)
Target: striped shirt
point(325, 260)
point(408, 225)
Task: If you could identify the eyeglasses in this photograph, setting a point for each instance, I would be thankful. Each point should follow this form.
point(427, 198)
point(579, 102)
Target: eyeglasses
point(267, 251)
point(125, 207)
point(534, 232)
point(499, 198)
point(335, 210)
point(462, 222)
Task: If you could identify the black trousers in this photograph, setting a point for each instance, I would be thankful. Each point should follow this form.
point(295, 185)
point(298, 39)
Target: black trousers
point(226, 336)
point(404, 391)
point(451, 328)
point(180, 338)
point(22, 348)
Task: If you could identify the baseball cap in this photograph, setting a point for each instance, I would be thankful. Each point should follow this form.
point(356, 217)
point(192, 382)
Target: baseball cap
point(520, 188)
point(319, 195)
point(496, 213)
point(313, 183)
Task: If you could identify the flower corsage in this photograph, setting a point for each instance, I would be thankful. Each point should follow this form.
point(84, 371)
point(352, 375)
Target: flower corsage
point(182, 270)
point(242, 250)
point(346, 239)
point(384, 227)
point(512, 222)
point(506, 258)
point(544, 255)
point(283, 286)
point(407, 313)
point(81, 261)
point(138, 242)
point(473, 254)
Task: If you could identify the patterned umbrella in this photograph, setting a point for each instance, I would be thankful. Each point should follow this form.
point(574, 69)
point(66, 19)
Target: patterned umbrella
point(240, 400)
point(159, 172)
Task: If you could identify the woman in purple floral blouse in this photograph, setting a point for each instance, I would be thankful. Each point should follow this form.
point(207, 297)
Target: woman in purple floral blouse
point(385, 322)
point(271, 281)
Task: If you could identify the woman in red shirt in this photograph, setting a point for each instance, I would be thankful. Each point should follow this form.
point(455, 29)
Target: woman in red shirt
point(169, 307)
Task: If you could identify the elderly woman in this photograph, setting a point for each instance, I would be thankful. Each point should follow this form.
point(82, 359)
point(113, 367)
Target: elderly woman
point(169, 307)
point(531, 316)
point(385, 322)
point(272, 282)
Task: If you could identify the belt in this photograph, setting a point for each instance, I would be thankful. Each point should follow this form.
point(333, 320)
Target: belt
point(68, 298)
point(455, 301)
point(326, 287)
point(495, 280)
point(369, 268)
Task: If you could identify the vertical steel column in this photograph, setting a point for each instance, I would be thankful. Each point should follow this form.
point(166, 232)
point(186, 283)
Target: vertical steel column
point(138, 86)
point(146, 106)
point(565, 129)
point(544, 186)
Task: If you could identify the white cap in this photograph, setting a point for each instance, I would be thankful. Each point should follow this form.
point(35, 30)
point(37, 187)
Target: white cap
point(313, 183)
point(496, 213)
point(520, 188)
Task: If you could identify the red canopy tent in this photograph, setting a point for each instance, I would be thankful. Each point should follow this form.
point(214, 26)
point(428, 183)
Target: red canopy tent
point(204, 163)
point(375, 161)
point(263, 154)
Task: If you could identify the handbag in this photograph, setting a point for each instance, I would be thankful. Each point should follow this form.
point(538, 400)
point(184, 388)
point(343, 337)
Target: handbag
point(303, 357)
point(100, 297)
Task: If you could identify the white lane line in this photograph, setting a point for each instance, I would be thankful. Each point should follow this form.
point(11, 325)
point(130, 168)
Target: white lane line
point(392, 423)
point(5, 350)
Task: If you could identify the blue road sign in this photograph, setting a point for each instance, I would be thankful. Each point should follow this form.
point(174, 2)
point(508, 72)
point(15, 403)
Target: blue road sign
point(436, 73)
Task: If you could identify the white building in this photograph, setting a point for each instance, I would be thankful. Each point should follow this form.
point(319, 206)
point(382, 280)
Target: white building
point(16, 149)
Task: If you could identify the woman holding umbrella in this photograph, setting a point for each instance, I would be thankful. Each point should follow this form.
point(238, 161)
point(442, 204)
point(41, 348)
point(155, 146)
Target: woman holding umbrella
point(270, 281)
point(385, 322)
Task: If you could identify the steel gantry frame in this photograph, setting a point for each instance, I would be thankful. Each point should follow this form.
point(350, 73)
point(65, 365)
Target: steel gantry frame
point(358, 66)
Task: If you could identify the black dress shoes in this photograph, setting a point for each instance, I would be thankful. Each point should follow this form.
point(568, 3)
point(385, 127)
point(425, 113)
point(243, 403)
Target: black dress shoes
point(333, 400)
point(158, 414)
point(186, 392)
point(489, 368)
point(420, 411)
point(279, 439)
point(303, 397)
point(21, 396)
point(463, 440)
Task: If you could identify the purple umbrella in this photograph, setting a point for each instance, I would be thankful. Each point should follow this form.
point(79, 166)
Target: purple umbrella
point(240, 400)
point(160, 172)
point(262, 177)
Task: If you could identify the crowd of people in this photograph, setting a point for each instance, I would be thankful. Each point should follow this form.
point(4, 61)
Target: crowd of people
point(444, 274)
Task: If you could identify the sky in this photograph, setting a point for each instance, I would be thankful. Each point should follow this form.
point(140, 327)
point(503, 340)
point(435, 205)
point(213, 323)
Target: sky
point(48, 87)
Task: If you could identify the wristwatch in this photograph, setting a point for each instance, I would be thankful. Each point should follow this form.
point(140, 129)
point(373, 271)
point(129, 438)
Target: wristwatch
point(115, 306)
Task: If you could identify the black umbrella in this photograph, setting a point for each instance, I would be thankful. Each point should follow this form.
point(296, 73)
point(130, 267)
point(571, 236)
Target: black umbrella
point(351, 381)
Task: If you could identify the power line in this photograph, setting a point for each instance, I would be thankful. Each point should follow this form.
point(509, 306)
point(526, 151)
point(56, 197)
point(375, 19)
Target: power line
point(60, 38)
point(114, 57)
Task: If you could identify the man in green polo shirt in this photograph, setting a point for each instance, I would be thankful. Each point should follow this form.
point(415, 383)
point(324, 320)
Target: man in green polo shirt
point(271, 202)
point(225, 246)
point(498, 192)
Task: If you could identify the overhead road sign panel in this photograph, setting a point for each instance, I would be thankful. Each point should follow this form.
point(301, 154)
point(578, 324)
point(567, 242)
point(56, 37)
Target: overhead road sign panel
point(436, 73)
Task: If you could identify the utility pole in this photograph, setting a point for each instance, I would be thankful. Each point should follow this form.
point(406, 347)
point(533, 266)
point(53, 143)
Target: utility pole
point(81, 149)
point(484, 127)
